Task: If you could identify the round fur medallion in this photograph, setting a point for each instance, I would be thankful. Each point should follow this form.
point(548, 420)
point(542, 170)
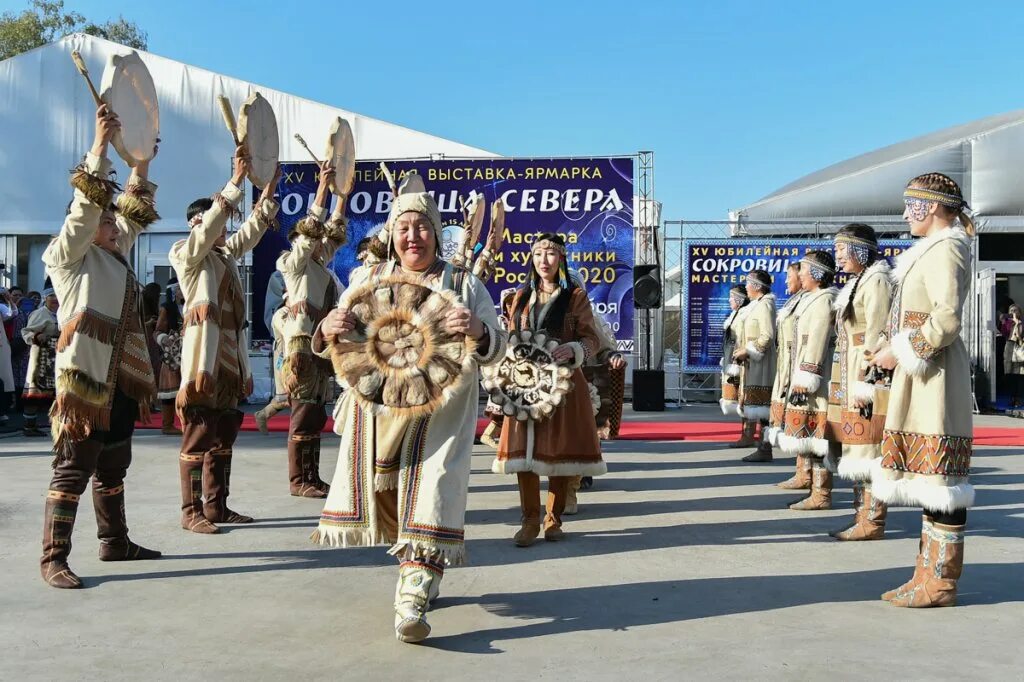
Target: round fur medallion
point(399, 359)
point(528, 383)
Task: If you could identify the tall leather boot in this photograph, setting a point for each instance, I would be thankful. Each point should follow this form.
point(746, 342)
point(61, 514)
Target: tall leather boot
point(302, 478)
point(529, 504)
point(558, 487)
point(167, 426)
point(217, 471)
point(30, 422)
point(746, 435)
point(801, 480)
point(858, 511)
point(869, 522)
point(940, 565)
point(821, 491)
point(108, 501)
point(572, 506)
point(419, 582)
point(763, 453)
point(58, 523)
point(199, 438)
point(321, 485)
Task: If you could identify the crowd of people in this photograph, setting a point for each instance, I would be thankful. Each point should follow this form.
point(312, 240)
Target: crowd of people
point(870, 383)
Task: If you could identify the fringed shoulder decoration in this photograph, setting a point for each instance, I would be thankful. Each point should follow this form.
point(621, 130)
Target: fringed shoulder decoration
point(99, 191)
point(311, 227)
point(137, 204)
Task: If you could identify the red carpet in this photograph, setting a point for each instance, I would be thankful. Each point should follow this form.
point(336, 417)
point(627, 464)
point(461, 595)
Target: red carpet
point(675, 430)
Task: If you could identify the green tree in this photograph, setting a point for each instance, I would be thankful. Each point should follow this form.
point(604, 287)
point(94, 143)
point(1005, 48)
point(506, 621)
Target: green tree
point(46, 20)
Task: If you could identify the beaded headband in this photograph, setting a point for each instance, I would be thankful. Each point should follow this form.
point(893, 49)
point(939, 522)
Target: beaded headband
point(758, 279)
point(859, 241)
point(950, 200)
point(815, 264)
point(548, 244)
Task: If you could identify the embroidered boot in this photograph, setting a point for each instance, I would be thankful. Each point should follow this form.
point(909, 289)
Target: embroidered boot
point(529, 503)
point(869, 523)
point(217, 472)
point(167, 426)
point(108, 501)
point(419, 581)
point(858, 511)
point(321, 485)
point(942, 564)
point(801, 480)
point(558, 487)
point(58, 523)
point(918, 565)
point(199, 436)
point(301, 479)
point(821, 491)
point(746, 435)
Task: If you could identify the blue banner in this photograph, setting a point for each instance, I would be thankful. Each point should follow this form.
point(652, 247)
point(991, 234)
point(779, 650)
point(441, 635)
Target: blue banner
point(712, 266)
point(587, 200)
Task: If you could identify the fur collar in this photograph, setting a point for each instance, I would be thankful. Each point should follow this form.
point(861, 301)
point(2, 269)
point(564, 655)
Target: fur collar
point(809, 297)
point(789, 306)
point(767, 298)
point(905, 261)
point(843, 297)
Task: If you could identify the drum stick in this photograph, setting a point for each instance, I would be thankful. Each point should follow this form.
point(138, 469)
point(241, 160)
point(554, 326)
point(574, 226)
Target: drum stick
point(229, 117)
point(306, 147)
point(76, 57)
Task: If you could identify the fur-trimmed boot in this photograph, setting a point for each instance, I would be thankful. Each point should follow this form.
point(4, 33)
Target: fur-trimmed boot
point(529, 504)
point(572, 506)
point(746, 435)
point(939, 566)
point(419, 582)
point(821, 491)
point(869, 516)
point(58, 524)
point(801, 480)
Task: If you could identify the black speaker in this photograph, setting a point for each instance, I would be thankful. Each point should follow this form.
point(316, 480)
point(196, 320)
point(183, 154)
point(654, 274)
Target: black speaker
point(646, 287)
point(648, 390)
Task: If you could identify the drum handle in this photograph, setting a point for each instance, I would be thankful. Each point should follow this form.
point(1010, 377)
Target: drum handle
point(76, 57)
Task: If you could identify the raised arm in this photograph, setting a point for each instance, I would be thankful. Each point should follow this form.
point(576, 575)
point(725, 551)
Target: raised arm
point(94, 192)
point(136, 207)
point(263, 215)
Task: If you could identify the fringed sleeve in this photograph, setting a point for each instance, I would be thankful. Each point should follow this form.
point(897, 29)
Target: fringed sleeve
point(93, 194)
point(263, 216)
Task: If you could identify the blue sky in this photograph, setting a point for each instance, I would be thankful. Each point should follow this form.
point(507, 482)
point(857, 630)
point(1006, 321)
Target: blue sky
point(735, 98)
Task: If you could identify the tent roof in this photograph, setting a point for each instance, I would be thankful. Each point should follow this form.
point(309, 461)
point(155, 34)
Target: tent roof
point(46, 125)
point(982, 156)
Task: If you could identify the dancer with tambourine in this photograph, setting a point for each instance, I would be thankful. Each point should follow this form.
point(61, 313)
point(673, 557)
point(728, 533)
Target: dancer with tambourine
point(215, 348)
point(406, 341)
point(860, 393)
point(313, 290)
point(549, 427)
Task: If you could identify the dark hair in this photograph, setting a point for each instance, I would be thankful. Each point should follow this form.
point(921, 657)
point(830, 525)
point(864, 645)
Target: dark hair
point(16, 287)
point(150, 300)
point(793, 265)
point(763, 274)
point(556, 317)
point(171, 306)
point(938, 182)
point(866, 233)
point(198, 207)
point(825, 258)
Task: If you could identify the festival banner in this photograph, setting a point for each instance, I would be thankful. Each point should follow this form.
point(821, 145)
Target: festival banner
point(712, 266)
point(587, 200)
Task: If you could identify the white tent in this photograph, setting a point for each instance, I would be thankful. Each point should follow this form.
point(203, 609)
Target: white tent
point(46, 125)
point(982, 156)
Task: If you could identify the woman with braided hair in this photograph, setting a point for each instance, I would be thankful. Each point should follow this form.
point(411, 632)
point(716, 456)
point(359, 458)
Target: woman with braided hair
point(785, 329)
point(858, 397)
point(733, 329)
point(756, 355)
point(927, 441)
point(804, 423)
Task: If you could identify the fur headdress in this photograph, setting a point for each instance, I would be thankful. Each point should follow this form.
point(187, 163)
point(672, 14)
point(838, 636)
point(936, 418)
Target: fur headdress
point(411, 195)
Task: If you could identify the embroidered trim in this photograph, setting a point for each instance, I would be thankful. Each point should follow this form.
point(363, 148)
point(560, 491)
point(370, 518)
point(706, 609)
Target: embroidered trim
point(927, 454)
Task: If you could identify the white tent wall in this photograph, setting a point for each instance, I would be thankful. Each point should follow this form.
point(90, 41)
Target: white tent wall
point(46, 125)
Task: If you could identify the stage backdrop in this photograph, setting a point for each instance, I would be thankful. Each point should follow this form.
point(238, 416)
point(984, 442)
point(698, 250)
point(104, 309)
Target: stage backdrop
point(712, 266)
point(588, 200)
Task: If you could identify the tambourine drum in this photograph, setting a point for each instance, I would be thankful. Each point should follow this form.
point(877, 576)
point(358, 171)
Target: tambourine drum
point(528, 383)
point(341, 151)
point(257, 130)
point(128, 89)
point(399, 360)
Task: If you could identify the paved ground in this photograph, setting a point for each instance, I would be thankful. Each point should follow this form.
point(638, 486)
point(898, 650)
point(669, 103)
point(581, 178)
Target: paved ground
point(683, 563)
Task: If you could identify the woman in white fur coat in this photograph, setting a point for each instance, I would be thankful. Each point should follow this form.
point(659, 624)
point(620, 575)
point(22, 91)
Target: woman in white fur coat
point(927, 442)
point(857, 400)
point(805, 421)
point(732, 330)
point(785, 334)
point(756, 355)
